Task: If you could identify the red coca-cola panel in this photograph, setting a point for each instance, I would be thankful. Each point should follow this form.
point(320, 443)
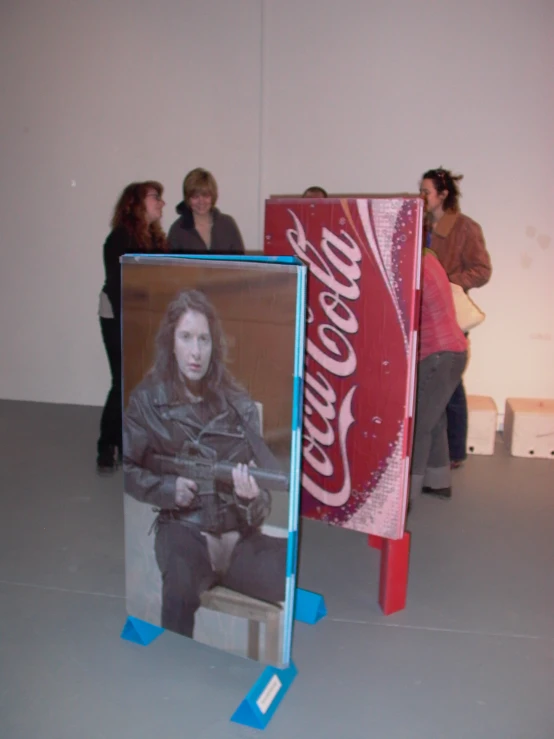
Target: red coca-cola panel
point(364, 256)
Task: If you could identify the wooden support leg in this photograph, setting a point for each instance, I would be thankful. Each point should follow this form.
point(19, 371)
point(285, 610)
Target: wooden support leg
point(253, 649)
point(376, 542)
point(272, 639)
point(393, 577)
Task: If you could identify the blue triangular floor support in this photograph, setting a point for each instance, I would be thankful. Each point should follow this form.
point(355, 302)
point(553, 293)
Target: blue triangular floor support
point(309, 607)
point(140, 632)
point(265, 695)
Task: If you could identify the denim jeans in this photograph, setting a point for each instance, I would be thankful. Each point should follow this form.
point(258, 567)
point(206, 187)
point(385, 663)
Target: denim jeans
point(456, 416)
point(438, 376)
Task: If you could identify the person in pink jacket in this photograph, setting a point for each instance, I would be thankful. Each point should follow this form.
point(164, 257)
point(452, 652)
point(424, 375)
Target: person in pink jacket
point(441, 361)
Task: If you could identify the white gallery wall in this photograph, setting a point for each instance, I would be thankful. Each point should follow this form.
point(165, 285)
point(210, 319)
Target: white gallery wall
point(99, 94)
point(271, 96)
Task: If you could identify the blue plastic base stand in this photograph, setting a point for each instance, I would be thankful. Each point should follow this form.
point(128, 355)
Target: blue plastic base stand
point(140, 632)
point(309, 607)
point(265, 695)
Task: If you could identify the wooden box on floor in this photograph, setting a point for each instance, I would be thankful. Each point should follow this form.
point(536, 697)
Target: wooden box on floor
point(481, 428)
point(529, 427)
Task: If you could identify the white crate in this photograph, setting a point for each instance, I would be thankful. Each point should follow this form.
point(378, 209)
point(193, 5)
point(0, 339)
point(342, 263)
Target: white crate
point(529, 427)
point(481, 427)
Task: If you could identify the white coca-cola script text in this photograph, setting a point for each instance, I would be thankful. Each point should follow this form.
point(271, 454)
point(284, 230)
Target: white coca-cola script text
point(335, 268)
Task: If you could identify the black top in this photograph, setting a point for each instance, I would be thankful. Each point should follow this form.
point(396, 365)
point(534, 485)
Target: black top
point(119, 242)
point(185, 239)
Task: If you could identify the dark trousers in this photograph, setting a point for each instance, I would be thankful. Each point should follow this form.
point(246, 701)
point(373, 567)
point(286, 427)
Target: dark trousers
point(456, 415)
point(111, 420)
point(437, 375)
point(257, 569)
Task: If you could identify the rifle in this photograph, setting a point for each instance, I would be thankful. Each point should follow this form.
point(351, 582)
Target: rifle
point(206, 473)
point(215, 509)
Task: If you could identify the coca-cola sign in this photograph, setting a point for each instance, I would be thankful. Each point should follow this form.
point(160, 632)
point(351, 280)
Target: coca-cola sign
point(364, 259)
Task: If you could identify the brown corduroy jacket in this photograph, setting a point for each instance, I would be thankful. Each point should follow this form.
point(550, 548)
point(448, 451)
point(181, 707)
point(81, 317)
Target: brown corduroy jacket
point(459, 244)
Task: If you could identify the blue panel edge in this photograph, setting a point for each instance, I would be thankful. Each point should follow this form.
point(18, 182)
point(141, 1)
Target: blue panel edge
point(262, 259)
point(296, 459)
point(263, 698)
point(297, 402)
point(292, 553)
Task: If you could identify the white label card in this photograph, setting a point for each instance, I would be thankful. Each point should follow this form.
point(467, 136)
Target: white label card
point(268, 694)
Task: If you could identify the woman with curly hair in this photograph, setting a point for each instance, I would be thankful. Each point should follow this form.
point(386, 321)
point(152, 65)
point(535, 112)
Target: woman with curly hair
point(459, 245)
point(135, 228)
point(186, 417)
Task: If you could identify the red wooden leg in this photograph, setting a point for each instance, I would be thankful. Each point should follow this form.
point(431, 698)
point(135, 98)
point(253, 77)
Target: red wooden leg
point(375, 541)
point(393, 578)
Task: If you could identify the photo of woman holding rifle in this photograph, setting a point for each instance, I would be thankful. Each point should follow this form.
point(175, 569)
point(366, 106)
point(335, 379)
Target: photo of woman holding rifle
point(192, 446)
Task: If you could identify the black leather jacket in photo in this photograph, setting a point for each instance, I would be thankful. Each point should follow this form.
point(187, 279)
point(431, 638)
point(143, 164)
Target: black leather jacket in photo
point(164, 439)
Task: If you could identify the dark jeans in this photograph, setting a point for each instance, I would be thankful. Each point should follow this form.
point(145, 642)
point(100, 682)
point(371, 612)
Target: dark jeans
point(257, 569)
point(437, 375)
point(456, 415)
point(111, 420)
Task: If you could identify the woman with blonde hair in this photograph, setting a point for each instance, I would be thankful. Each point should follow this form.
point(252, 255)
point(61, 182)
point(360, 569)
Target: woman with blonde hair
point(201, 227)
point(135, 228)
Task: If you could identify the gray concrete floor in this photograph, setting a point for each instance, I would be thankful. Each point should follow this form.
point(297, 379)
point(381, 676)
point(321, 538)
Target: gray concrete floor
point(472, 655)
